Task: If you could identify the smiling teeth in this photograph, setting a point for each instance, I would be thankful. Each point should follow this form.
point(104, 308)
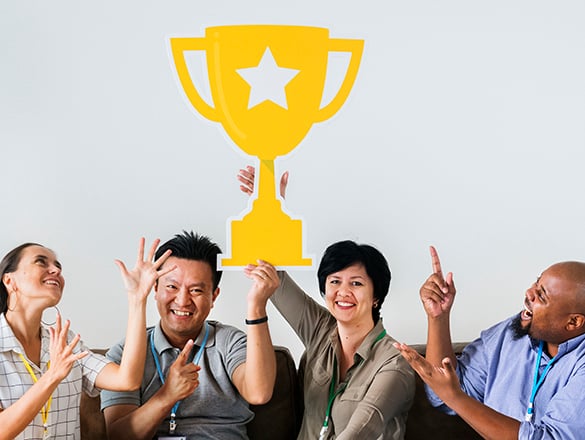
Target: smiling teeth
point(177, 312)
point(344, 304)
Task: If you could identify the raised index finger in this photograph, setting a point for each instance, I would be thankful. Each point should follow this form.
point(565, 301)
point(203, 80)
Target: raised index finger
point(184, 355)
point(436, 262)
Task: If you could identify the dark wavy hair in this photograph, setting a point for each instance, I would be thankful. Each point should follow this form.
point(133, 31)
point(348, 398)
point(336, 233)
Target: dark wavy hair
point(8, 265)
point(345, 253)
point(196, 247)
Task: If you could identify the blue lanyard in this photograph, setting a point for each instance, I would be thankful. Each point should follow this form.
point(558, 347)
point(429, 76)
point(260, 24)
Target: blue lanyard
point(333, 394)
point(172, 423)
point(537, 381)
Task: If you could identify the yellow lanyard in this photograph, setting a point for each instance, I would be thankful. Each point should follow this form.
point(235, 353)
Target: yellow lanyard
point(47, 406)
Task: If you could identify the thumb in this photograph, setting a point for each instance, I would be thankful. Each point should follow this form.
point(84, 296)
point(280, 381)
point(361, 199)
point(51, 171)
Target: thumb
point(447, 365)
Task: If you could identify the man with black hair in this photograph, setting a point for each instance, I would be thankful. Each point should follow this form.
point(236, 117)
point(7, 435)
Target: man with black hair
point(200, 375)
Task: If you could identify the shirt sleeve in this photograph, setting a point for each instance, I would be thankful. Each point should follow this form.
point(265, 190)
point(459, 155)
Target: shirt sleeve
point(306, 317)
point(111, 398)
point(233, 348)
point(91, 366)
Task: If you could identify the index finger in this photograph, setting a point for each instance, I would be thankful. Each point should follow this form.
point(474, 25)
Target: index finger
point(436, 262)
point(184, 355)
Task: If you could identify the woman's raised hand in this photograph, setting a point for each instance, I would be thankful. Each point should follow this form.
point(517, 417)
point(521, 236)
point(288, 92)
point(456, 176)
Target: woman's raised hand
point(140, 280)
point(246, 177)
point(62, 356)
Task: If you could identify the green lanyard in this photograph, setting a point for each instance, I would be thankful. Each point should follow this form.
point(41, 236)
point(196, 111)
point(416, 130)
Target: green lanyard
point(333, 393)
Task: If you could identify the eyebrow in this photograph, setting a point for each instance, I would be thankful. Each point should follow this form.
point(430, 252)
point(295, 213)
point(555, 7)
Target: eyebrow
point(169, 279)
point(46, 259)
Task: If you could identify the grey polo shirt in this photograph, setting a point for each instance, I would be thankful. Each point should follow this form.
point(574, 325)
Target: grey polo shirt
point(215, 409)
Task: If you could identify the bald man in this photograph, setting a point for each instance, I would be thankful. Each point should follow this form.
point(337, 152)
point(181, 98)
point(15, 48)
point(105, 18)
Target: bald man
point(523, 378)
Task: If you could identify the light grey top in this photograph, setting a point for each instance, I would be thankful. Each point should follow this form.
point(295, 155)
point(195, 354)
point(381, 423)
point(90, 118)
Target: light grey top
point(216, 409)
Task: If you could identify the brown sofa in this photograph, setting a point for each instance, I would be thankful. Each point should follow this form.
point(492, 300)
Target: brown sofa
point(280, 418)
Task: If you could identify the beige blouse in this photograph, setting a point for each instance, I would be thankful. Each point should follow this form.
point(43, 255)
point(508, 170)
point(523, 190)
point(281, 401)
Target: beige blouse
point(379, 387)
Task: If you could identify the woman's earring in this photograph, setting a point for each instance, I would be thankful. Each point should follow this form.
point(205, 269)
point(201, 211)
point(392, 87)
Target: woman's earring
point(57, 312)
point(376, 304)
point(12, 294)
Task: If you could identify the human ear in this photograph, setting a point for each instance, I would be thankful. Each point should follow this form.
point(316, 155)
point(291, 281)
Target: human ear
point(214, 296)
point(576, 322)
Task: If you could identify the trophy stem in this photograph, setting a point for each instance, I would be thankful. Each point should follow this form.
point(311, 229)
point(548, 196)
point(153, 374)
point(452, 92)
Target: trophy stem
point(266, 184)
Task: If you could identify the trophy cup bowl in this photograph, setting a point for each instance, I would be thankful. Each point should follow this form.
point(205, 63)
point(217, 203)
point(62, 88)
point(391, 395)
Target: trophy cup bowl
point(266, 130)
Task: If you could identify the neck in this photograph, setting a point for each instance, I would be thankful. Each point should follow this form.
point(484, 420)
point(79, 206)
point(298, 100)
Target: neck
point(351, 337)
point(27, 329)
point(178, 340)
point(551, 349)
point(26, 326)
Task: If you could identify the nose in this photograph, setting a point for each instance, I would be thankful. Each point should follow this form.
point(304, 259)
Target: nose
point(54, 269)
point(531, 293)
point(182, 298)
point(344, 289)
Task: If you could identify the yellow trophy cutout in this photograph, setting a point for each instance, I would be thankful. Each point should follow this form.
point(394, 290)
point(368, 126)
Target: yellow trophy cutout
point(266, 84)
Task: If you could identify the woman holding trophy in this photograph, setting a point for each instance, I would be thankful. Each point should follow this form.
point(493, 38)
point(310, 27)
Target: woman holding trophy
point(44, 369)
point(355, 384)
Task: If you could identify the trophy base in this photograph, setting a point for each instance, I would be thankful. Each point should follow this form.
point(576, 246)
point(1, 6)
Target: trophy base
point(276, 239)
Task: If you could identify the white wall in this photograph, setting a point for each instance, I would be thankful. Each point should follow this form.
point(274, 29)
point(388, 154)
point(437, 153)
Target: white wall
point(465, 129)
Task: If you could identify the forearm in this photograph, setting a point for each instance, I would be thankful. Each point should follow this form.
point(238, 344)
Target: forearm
point(127, 376)
point(260, 366)
point(140, 423)
point(439, 344)
point(17, 416)
point(488, 423)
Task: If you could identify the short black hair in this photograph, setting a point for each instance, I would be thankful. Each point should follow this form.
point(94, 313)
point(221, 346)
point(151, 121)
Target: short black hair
point(191, 246)
point(345, 253)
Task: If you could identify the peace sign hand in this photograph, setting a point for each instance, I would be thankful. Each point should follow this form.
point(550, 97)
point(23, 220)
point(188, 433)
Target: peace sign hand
point(437, 293)
point(140, 280)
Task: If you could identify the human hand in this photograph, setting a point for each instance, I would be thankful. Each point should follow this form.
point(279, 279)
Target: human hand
point(266, 281)
point(437, 293)
point(61, 353)
point(441, 378)
point(183, 377)
point(246, 178)
point(140, 280)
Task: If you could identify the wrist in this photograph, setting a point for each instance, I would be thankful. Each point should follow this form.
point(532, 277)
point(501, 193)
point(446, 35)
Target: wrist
point(257, 321)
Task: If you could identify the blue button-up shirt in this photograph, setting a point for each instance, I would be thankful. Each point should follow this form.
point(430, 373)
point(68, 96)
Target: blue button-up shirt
point(498, 370)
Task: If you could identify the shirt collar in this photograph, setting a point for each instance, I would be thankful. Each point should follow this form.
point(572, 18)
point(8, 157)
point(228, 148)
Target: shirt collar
point(570, 345)
point(8, 341)
point(162, 344)
point(367, 344)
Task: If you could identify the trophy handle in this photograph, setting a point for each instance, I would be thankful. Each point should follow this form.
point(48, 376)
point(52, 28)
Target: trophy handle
point(178, 48)
point(356, 47)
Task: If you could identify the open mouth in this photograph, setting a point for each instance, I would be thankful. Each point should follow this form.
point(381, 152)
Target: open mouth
point(181, 313)
point(344, 304)
point(53, 283)
point(526, 314)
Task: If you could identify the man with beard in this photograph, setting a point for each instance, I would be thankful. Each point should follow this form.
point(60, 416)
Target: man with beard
point(524, 378)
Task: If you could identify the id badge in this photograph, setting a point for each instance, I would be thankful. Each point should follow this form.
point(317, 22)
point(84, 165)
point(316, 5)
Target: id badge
point(172, 437)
